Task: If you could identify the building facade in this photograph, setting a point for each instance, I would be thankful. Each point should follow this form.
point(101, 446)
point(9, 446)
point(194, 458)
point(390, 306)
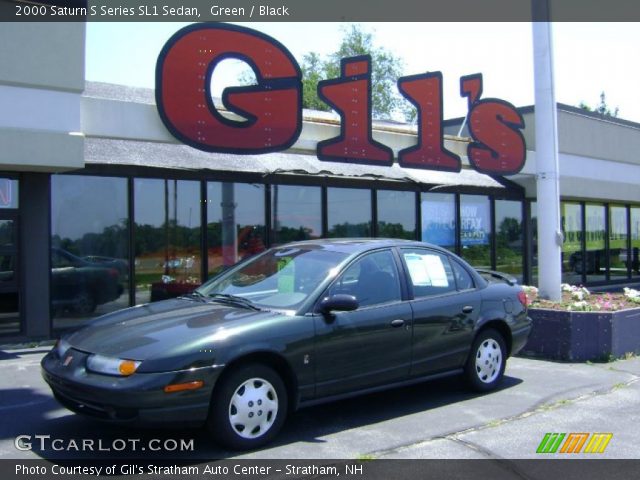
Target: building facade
point(101, 208)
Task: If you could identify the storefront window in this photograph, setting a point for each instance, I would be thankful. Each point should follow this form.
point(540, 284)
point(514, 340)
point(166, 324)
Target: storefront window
point(509, 237)
point(595, 261)
point(9, 291)
point(90, 247)
point(618, 237)
point(236, 223)
point(634, 258)
point(396, 214)
point(571, 223)
point(439, 219)
point(475, 230)
point(9, 296)
point(349, 212)
point(296, 213)
point(167, 238)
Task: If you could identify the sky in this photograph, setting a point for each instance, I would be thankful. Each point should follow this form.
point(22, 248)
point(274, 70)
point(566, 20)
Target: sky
point(589, 58)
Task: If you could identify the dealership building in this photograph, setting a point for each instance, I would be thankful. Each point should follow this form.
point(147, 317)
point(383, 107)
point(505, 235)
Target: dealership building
point(102, 208)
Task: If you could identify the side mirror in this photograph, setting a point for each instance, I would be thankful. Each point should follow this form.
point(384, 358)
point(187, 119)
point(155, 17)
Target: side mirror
point(339, 302)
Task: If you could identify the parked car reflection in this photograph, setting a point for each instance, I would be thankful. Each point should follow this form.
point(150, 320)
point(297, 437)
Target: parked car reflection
point(79, 285)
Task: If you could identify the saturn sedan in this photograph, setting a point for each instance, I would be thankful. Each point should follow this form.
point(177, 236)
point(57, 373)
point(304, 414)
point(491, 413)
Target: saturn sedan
point(294, 326)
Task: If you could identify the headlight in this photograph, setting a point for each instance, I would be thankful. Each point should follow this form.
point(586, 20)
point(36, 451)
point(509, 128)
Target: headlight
point(112, 366)
point(62, 346)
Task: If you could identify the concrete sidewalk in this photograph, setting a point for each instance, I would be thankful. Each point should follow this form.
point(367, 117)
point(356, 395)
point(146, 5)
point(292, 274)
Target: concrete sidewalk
point(440, 419)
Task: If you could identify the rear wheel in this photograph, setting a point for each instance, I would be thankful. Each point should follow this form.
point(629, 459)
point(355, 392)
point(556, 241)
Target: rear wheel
point(485, 366)
point(84, 303)
point(248, 408)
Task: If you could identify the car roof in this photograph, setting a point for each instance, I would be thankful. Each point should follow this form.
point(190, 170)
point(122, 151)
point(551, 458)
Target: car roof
point(358, 245)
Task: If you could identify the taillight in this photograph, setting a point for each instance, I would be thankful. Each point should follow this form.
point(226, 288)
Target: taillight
point(113, 272)
point(523, 298)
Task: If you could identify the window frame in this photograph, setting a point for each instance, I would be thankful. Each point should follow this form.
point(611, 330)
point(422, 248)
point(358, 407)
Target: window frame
point(400, 272)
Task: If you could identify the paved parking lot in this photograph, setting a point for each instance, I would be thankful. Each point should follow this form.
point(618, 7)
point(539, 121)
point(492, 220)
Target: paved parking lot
point(440, 419)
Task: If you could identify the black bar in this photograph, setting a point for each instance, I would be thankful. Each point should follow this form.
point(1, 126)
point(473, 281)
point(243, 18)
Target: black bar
point(374, 212)
point(458, 240)
point(325, 212)
point(132, 240)
point(204, 233)
point(629, 246)
point(493, 239)
point(607, 249)
point(418, 211)
point(583, 245)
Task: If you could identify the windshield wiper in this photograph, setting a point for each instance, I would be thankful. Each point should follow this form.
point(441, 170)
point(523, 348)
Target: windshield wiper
point(194, 295)
point(235, 299)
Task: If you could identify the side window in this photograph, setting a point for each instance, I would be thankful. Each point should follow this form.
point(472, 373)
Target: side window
point(463, 278)
point(372, 279)
point(430, 272)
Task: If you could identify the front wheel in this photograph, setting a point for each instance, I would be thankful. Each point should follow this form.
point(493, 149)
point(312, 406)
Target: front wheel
point(248, 408)
point(485, 366)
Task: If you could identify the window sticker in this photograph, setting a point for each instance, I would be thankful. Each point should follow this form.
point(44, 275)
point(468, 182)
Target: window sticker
point(437, 273)
point(417, 270)
point(426, 270)
point(286, 275)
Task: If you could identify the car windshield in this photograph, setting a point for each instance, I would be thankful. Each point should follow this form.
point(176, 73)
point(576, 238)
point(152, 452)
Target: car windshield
point(281, 278)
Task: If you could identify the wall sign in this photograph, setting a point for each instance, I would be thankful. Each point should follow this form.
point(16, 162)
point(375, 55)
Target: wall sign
point(273, 107)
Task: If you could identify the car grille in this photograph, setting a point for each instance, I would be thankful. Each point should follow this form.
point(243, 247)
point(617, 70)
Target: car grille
point(95, 410)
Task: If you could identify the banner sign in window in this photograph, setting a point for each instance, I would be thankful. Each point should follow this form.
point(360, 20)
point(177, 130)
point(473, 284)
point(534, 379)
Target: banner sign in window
point(439, 221)
point(8, 193)
point(474, 223)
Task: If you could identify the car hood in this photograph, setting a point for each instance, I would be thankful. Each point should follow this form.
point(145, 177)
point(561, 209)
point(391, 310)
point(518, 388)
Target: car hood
point(166, 328)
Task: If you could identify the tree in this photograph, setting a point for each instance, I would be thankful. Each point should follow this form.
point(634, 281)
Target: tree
point(385, 70)
point(602, 108)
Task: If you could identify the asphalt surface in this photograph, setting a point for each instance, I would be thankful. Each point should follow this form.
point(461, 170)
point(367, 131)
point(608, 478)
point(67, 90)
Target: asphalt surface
point(440, 419)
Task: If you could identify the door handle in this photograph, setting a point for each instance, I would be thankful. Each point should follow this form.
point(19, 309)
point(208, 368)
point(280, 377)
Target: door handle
point(398, 322)
point(467, 309)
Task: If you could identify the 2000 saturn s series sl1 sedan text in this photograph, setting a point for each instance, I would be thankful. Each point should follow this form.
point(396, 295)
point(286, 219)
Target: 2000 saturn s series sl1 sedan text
point(293, 326)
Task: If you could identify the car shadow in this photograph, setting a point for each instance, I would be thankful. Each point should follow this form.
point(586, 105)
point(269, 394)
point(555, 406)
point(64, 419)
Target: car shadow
point(310, 424)
point(79, 437)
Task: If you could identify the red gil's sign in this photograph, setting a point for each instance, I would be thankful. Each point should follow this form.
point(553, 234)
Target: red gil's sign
point(273, 107)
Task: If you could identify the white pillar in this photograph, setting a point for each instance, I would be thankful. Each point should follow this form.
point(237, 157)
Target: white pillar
point(547, 169)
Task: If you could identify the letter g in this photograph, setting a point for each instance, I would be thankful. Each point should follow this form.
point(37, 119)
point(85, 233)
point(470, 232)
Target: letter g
point(20, 444)
point(272, 108)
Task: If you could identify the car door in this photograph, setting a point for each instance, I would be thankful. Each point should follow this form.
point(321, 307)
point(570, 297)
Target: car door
point(370, 346)
point(445, 307)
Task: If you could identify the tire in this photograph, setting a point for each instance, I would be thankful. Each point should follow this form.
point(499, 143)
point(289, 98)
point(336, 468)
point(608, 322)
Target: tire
point(84, 303)
point(485, 366)
point(248, 407)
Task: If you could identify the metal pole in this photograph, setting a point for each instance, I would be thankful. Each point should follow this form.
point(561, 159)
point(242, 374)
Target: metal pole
point(547, 165)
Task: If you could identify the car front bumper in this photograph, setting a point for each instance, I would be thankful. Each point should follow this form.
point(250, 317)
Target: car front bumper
point(138, 399)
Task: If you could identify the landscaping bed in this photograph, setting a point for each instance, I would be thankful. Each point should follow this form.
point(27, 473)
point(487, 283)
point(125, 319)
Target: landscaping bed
point(584, 326)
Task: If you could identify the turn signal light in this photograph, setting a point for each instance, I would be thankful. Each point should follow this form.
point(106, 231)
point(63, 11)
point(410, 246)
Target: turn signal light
point(179, 387)
point(127, 367)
